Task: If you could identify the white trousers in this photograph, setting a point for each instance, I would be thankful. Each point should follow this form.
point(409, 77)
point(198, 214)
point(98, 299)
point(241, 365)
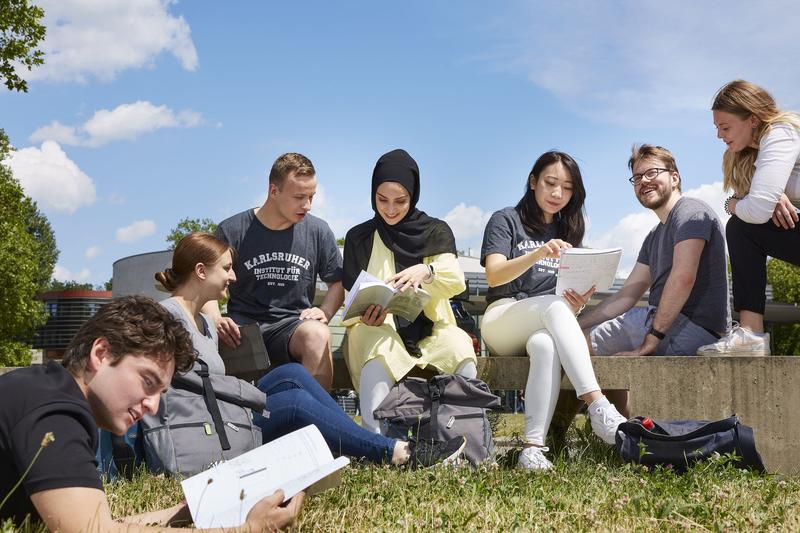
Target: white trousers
point(375, 384)
point(546, 328)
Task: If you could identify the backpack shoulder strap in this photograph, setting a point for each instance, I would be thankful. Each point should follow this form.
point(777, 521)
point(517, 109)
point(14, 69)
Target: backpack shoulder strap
point(210, 399)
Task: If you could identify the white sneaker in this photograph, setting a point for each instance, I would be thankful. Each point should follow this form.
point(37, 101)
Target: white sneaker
point(740, 341)
point(532, 458)
point(605, 419)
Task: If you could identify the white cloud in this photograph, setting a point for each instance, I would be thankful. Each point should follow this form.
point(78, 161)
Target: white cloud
point(467, 221)
point(92, 252)
point(714, 196)
point(124, 122)
point(51, 178)
point(635, 63)
point(101, 38)
point(61, 273)
point(136, 231)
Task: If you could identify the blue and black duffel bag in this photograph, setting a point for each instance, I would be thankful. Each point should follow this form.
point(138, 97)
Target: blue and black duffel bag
point(681, 443)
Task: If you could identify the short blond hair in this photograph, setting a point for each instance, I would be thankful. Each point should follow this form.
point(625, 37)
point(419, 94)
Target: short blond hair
point(287, 164)
point(651, 151)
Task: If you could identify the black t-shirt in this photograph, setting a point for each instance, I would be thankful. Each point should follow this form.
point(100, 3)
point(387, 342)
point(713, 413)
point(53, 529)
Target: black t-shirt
point(506, 235)
point(276, 270)
point(37, 400)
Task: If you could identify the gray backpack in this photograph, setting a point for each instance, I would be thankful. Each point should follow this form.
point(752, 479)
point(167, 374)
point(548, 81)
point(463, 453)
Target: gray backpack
point(446, 406)
point(202, 419)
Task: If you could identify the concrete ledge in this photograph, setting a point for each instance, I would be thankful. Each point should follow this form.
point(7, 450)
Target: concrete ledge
point(763, 391)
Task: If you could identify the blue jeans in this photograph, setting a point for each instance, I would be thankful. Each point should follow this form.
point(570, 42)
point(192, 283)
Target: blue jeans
point(295, 400)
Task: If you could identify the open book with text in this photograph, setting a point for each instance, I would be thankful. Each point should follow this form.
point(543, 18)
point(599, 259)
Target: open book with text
point(580, 268)
point(224, 494)
point(369, 290)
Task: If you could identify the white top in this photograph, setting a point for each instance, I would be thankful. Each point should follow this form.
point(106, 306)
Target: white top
point(777, 171)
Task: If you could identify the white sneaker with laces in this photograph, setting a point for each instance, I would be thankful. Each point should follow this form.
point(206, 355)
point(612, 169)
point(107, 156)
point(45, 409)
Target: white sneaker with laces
point(605, 419)
point(740, 341)
point(532, 458)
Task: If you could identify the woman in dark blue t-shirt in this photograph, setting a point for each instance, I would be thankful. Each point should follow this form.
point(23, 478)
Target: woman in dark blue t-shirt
point(521, 250)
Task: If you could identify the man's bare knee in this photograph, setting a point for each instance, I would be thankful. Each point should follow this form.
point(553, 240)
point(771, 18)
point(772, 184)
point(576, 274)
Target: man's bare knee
point(311, 339)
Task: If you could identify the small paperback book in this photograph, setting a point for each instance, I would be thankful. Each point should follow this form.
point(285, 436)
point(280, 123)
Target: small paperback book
point(224, 494)
point(369, 290)
point(249, 360)
point(580, 268)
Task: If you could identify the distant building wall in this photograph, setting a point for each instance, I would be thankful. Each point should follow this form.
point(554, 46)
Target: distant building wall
point(134, 274)
point(66, 313)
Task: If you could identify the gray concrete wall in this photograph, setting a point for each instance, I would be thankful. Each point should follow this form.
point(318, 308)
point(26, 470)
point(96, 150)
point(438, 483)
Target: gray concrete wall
point(134, 274)
point(762, 391)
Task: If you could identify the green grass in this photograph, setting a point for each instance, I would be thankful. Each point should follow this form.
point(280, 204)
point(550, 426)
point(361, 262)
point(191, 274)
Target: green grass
point(588, 490)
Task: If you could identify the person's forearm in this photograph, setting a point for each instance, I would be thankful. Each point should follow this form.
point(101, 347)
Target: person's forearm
point(676, 291)
point(611, 307)
point(510, 269)
point(333, 300)
point(177, 514)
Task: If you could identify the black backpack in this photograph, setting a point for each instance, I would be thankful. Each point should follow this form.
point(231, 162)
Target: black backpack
point(681, 443)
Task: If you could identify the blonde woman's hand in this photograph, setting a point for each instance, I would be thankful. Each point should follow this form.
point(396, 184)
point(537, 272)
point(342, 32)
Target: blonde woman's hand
point(785, 214)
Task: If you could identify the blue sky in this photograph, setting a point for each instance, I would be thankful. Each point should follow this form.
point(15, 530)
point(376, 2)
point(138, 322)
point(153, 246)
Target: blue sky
point(150, 111)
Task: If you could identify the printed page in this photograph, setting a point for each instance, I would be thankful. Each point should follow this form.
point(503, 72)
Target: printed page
point(369, 293)
point(580, 268)
point(223, 495)
point(409, 303)
point(363, 277)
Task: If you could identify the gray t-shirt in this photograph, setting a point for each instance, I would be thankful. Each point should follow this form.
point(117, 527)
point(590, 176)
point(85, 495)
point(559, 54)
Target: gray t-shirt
point(205, 342)
point(505, 234)
point(276, 270)
point(708, 304)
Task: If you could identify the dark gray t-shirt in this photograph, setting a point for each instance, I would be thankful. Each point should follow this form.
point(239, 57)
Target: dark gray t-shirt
point(708, 304)
point(276, 270)
point(505, 234)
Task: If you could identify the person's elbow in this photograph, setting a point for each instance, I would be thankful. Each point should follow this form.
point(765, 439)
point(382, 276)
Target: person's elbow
point(492, 279)
point(754, 214)
point(684, 281)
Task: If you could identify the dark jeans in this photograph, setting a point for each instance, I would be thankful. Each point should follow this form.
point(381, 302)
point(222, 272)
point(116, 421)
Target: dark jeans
point(295, 400)
point(748, 246)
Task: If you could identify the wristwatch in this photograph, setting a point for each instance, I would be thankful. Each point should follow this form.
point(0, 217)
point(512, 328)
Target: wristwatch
point(657, 334)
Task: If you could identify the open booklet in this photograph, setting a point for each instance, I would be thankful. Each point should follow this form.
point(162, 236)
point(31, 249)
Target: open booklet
point(580, 268)
point(224, 494)
point(369, 290)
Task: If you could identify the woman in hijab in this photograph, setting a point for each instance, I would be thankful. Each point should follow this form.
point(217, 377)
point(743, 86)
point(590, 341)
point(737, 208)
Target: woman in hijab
point(409, 250)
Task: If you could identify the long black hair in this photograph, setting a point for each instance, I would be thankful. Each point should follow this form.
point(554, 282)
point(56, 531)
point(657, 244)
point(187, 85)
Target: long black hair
point(570, 223)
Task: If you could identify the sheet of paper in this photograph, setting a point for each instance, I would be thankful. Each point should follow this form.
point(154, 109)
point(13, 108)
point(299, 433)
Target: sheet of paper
point(223, 495)
point(580, 268)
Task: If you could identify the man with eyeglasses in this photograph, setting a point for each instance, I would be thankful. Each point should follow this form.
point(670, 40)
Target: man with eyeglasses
point(682, 263)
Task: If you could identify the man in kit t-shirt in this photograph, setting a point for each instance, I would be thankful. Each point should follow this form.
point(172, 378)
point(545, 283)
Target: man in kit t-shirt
point(280, 249)
point(113, 372)
point(682, 263)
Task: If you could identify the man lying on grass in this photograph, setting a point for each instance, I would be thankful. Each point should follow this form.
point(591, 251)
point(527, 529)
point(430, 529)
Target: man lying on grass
point(114, 372)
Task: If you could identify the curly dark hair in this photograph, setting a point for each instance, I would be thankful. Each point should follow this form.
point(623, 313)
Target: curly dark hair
point(132, 325)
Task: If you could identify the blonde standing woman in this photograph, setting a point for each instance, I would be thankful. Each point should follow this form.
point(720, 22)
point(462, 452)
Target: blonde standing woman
point(761, 169)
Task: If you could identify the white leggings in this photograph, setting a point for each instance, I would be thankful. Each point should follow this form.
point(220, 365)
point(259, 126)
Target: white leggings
point(546, 328)
point(375, 385)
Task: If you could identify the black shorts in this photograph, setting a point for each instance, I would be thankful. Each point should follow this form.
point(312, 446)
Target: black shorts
point(276, 338)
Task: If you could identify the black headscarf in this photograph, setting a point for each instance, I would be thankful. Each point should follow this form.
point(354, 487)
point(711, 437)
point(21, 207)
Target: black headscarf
point(416, 236)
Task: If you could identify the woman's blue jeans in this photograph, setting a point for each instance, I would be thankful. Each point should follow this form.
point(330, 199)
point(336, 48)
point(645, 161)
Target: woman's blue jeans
point(295, 400)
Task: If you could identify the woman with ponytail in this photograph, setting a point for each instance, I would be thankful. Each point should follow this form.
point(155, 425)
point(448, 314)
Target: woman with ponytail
point(761, 168)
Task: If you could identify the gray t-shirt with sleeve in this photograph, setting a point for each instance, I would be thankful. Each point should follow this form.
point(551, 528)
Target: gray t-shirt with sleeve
point(205, 342)
point(708, 304)
point(276, 270)
point(505, 234)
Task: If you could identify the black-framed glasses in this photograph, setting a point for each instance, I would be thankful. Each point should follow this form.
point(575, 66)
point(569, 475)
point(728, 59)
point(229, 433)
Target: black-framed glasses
point(650, 174)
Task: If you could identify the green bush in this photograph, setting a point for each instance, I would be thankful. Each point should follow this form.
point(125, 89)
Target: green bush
point(785, 280)
point(14, 354)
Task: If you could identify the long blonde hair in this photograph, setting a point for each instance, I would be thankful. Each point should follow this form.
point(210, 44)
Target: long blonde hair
point(745, 99)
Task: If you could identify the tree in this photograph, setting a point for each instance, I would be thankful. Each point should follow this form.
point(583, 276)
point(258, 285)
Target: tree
point(21, 32)
point(785, 281)
point(21, 262)
point(187, 226)
point(56, 285)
